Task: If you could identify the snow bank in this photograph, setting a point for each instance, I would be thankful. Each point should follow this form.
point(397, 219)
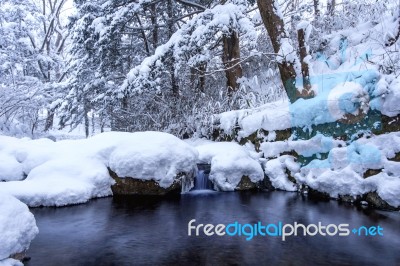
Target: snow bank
point(11, 262)
point(74, 171)
point(61, 182)
point(229, 163)
point(316, 145)
point(10, 168)
point(342, 173)
point(17, 228)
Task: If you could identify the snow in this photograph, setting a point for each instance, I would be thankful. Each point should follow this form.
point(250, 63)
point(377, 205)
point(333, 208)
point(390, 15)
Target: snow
point(17, 228)
point(344, 98)
point(74, 171)
point(340, 182)
point(286, 52)
point(10, 262)
point(61, 182)
point(275, 169)
point(306, 27)
point(315, 145)
point(346, 77)
point(229, 163)
point(10, 168)
point(200, 33)
point(342, 172)
point(153, 155)
point(388, 187)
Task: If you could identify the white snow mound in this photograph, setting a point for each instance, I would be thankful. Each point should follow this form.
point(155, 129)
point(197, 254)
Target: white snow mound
point(229, 163)
point(17, 228)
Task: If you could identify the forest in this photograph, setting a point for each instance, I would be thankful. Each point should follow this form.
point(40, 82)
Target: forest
point(169, 66)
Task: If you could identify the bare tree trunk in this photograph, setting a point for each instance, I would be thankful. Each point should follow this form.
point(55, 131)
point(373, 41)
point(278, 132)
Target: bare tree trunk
point(174, 82)
point(197, 76)
point(273, 21)
point(49, 120)
point(202, 78)
point(144, 36)
point(304, 65)
point(276, 30)
point(153, 18)
point(316, 8)
point(231, 60)
point(86, 118)
point(331, 7)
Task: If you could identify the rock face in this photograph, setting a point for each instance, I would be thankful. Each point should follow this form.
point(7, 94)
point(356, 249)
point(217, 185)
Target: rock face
point(246, 184)
point(377, 202)
point(135, 186)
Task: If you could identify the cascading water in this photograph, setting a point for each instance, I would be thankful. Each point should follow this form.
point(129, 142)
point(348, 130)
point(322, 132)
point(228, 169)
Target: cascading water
point(201, 181)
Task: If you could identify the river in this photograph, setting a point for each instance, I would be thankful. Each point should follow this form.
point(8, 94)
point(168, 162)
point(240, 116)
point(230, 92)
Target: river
point(153, 231)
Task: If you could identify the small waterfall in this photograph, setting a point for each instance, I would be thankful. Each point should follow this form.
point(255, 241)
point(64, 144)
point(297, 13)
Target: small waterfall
point(201, 181)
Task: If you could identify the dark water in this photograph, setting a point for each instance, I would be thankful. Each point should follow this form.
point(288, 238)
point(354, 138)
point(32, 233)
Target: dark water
point(148, 231)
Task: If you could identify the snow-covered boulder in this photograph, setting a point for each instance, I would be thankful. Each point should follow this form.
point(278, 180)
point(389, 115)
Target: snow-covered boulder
point(151, 163)
point(280, 172)
point(17, 228)
point(233, 167)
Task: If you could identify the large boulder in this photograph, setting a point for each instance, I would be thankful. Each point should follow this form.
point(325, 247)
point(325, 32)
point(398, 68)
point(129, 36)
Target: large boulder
point(152, 163)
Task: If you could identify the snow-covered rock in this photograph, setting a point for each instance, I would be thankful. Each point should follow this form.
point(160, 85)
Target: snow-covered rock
point(17, 228)
point(230, 163)
point(278, 170)
point(315, 145)
point(150, 156)
point(348, 80)
point(74, 171)
point(343, 172)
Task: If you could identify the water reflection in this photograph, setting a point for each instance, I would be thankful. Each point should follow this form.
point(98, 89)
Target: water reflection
point(143, 230)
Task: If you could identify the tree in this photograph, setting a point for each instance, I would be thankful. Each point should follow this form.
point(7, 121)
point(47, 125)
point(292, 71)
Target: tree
point(288, 62)
point(32, 59)
point(139, 58)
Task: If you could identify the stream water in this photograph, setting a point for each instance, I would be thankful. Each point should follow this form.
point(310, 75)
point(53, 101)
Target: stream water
point(153, 231)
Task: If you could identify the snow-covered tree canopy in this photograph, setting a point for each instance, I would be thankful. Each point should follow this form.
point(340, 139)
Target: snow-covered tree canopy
point(192, 45)
point(31, 59)
point(135, 64)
